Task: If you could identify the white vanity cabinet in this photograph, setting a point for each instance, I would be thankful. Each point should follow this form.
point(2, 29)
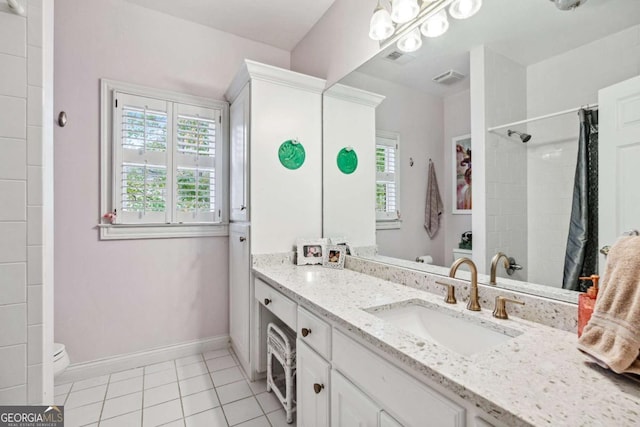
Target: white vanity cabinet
point(269, 106)
point(350, 406)
point(240, 290)
point(313, 398)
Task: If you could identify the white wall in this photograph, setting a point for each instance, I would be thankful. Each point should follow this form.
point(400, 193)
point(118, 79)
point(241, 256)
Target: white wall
point(22, 339)
point(338, 43)
point(116, 297)
point(418, 118)
point(558, 83)
point(457, 122)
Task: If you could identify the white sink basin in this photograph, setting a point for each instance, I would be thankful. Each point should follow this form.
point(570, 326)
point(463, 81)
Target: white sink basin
point(462, 335)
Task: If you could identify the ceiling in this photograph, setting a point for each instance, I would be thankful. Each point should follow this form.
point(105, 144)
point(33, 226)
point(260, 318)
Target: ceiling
point(279, 23)
point(527, 31)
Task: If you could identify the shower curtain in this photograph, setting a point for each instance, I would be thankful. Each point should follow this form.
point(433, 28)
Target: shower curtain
point(581, 257)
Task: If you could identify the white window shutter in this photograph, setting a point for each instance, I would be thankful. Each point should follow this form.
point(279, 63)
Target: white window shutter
point(196, 164)
point(141, 132)
point(387, 174)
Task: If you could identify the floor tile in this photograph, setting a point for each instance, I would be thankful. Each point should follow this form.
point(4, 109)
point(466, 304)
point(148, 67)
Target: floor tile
point(234, 391)
point(83, 415)
point(176, 423)
point(229, 375)
point(122, 405)
point(220, 363)
point(242, 410)
point(164, 393)
point(183, 361)
point(256, 422)
point(62, 389)
point(279, 419)
point(121, 388)
point(86, 396)
point(157, 367)
point(125, 375)
point(210, 418)
point(192, 370)
point(162, 414)
point(268, 402)
point(199, 402)
point(133, 419)
point(195, 384)
point(216, 353)
point(257, 387)
point(90, 382)
point(160, 378)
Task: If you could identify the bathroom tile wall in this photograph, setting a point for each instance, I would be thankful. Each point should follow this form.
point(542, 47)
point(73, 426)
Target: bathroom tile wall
point(21, 246)
point(555, 84)
point(505, 162)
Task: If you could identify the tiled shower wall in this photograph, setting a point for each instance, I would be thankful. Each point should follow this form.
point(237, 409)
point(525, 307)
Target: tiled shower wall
point(21, 200)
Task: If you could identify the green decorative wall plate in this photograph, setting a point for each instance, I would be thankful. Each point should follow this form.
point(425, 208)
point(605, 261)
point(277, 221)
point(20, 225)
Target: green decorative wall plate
point(291, 154)
point(347, 160)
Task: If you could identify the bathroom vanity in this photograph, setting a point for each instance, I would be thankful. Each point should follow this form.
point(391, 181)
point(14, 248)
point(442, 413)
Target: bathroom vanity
point(359, 364)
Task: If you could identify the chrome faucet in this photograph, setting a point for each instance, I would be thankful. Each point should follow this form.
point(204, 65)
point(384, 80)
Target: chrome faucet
point(494, 266)
point(473, 304)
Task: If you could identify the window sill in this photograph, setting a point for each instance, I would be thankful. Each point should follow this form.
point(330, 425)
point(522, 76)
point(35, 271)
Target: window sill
point(389, 225)
point(160, 231)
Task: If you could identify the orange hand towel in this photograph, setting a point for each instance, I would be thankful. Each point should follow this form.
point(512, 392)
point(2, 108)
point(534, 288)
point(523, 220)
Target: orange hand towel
point(612, 336)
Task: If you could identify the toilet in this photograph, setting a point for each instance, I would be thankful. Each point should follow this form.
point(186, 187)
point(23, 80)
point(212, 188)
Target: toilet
point(60, 359)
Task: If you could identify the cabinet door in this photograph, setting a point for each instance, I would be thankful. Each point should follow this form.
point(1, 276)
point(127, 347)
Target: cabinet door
point(239, 290)
point(312, 373)
point(350, 407)
point(238, 161)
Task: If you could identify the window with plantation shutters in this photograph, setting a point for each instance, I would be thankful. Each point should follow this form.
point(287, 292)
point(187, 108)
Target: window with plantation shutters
point(387, 176)
point(162, 163)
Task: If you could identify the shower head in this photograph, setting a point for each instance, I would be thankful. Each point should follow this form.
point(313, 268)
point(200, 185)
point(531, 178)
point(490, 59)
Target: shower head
point(524, 137)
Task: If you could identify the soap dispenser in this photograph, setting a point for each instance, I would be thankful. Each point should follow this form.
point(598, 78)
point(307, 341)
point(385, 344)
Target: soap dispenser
point(586, 302)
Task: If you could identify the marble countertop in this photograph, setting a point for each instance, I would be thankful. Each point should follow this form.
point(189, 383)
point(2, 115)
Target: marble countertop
point(537, 378)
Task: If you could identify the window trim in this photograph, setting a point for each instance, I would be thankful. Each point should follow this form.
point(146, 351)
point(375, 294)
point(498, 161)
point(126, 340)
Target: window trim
point(149, 231)
point(395, 223)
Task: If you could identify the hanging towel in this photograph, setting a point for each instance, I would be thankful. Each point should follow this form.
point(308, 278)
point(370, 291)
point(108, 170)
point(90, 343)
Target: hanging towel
point(433, 207)
point(612, 336)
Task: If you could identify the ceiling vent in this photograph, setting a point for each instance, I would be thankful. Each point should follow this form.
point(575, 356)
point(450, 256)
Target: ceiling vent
point(398, 57)
point(449, 77)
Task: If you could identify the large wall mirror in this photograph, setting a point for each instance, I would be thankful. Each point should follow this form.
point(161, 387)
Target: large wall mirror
point(518, 60)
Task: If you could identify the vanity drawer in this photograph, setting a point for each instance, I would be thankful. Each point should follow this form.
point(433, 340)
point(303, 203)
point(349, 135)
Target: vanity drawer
point(277, 303)
point(315, 332)
point(410, 401)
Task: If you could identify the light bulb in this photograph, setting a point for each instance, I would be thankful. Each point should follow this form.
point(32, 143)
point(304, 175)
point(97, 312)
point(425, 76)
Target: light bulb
point(411, 42)
point(436, 25)
point(404, 10)
point(463, 9)
point(381, 26)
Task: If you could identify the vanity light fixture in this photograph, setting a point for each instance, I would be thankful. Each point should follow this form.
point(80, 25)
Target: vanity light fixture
point(411, 19)
point(411, 41)
point(463, 9)
point(435, 26)
point(404, 10)
point(381, 26)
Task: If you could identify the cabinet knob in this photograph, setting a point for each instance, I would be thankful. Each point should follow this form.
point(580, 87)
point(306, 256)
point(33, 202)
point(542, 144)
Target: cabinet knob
point(318, 387)
point(242, 207)
point(243, 239)
point(305, 332)
point(267, 301)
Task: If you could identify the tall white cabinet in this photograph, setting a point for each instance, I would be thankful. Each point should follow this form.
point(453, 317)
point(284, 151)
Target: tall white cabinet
point(349, 120)
point(269, 106)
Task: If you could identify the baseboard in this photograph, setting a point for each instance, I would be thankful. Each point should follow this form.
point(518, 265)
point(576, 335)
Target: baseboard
point(81, 371)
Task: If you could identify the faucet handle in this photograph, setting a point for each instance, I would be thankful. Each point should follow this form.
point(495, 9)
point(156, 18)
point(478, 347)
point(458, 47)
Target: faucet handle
point(500, 311)
point(451, 293)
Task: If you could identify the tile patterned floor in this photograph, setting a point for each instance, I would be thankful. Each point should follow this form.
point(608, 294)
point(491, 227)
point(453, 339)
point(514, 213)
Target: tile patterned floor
point(205, 390)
